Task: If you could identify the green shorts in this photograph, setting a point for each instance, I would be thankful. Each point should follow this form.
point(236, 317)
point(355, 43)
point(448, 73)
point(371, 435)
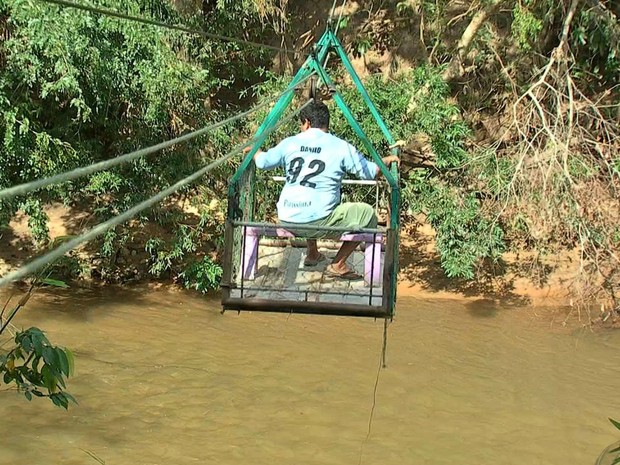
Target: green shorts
point(346, 215)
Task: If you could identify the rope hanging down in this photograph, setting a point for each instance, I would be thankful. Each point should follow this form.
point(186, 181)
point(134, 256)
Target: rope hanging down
point(119, 219)
point(152, 22)
point(107, 164)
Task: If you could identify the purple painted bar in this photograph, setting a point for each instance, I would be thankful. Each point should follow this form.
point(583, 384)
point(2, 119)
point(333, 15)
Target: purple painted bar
point(250, 254)
point(372, 268)
point(281, 233)
point(361, 237)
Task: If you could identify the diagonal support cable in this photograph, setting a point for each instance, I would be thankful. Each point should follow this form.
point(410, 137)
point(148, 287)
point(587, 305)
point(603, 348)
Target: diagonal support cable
point(107, 164)
point(337, 28)
point(332, 10)
point(101, 228)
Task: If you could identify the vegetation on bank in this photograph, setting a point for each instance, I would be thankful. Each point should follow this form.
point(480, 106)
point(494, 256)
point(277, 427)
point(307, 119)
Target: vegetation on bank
point(509, 110)
point(29, 363)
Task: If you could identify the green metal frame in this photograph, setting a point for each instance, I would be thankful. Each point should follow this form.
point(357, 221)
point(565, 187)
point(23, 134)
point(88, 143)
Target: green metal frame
point(313, 65)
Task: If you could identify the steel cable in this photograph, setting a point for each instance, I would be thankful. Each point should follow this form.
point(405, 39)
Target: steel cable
point(107, 164)
point(344, 2)
point(332, 11)
point(101, 228)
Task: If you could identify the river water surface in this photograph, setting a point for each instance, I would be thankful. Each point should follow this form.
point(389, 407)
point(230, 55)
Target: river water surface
point(163, 378)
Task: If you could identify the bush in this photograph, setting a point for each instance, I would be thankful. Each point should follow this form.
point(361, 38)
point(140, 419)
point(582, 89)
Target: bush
point(203, 275)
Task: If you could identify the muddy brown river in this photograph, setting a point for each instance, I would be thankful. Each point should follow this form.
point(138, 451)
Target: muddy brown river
point(163, 378)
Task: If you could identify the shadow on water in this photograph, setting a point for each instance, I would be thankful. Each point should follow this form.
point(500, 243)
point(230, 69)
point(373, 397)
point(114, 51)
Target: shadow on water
point(483, 308)
point(79, 303)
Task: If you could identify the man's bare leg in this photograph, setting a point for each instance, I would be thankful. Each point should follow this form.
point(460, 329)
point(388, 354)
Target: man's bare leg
point(339, 264)
point(313, 253)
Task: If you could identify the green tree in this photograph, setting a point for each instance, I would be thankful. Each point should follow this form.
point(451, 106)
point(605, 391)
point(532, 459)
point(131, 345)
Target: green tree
point(77, 88)
point(31, 364)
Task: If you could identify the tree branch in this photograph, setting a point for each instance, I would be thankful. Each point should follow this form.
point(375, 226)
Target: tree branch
point(455, 68)
point(608, 18)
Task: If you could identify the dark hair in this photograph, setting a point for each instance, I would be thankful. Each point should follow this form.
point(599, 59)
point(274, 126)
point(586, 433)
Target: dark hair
point(318, 115)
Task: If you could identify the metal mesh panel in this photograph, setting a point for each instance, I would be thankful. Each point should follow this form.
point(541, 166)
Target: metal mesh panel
point(240, 208)
point(269, 267)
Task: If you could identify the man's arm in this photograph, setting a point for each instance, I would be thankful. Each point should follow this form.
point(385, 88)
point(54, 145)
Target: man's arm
point(267, 160)
point(387, 161)
point(355, 163)
point(248, 148)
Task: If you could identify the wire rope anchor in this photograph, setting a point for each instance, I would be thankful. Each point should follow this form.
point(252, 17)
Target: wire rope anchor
point(314, 94)
point(317, 95)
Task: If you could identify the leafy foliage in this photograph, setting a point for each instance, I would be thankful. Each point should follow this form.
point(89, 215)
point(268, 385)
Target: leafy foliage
point(169, 256)
point(525, 27)
point(202, 275)
point(33, 364)
point(38, 368)
point(594, 38)
point(615, 451)
point(77, 88)
point(415, 105)
point(464, 234)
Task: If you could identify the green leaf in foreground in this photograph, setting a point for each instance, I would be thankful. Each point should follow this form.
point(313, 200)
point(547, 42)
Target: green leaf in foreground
point(55, 283)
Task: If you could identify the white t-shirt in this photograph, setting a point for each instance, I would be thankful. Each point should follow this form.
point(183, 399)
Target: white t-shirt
point(315, 163)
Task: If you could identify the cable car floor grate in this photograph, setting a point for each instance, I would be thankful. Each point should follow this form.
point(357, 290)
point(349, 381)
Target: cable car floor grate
point(281, 275)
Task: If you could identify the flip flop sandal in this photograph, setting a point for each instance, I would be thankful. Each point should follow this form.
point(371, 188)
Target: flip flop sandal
point(308, 262)
point(349, 275)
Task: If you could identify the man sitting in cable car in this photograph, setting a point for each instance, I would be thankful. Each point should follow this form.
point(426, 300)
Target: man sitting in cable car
point(315, 162)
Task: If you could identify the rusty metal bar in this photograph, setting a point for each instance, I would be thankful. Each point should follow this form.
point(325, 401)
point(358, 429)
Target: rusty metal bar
point(315, 308)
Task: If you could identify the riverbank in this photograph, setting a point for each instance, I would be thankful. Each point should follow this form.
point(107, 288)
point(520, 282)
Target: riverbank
point(520, 279)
